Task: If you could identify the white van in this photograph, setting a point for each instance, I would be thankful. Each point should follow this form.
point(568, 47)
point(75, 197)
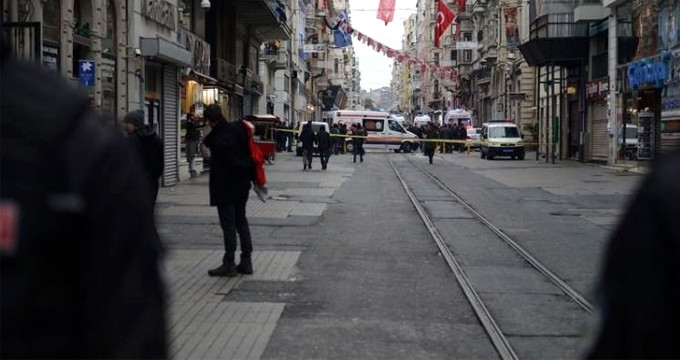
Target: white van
point(316, 125)
point(501, 138)
point(382, 131)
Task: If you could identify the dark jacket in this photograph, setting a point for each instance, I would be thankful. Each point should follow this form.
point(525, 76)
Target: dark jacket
point(193, 131)
point(639, 290)
point(231, 166)
point(307, 137)
point(431, 134)
point(324, 141)
point(150, 150)
point(83, 280)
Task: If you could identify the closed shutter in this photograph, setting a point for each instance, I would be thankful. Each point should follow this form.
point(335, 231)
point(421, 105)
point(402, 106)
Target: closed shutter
point(170, 124)
point(599, 138)
point(247, 104)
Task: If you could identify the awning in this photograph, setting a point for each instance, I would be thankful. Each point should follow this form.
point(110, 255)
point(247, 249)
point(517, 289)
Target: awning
point(202, 78)
point(165, 50)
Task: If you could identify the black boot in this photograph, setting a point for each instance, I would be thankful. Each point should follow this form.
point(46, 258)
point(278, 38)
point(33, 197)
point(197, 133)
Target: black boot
point(246, 265)
point(228, 270)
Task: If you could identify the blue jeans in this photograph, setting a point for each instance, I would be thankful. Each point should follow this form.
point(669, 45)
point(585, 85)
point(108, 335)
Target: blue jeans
point(324, 157)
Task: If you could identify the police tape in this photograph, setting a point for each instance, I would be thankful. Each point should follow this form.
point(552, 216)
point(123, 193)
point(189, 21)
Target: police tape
point(443, 141)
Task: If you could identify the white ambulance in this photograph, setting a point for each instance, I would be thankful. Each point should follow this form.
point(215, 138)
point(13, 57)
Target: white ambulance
point(382, 131)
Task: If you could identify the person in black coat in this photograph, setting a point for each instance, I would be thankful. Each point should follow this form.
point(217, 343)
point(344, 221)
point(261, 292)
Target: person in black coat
point(149, 146)
point(639, 287)
point(79, 261)
point(324, 140)
point(307, 138)
point(231, 172)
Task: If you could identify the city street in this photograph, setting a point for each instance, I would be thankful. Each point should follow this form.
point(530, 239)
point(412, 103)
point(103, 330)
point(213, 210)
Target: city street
point(346, 266)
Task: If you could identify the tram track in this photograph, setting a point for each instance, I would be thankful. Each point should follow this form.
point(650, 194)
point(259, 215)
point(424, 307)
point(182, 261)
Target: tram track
point(497, 337)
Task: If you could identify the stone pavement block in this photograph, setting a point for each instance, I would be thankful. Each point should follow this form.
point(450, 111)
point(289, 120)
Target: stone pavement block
point(271, 209)
point(327, 192)
point(308, 209)
point(202, 324)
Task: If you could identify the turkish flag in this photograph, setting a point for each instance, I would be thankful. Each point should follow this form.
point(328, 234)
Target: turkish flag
point(444, 19)
point(386, 10)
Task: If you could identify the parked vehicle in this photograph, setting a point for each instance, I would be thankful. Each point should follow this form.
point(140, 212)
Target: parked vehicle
point(316, 125)
point(474, 135)
point(501, 138)
point(382, 131)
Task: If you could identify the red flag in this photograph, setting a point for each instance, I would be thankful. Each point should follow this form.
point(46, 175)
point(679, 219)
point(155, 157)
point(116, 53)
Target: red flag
point(386, 10)
point(444, 19)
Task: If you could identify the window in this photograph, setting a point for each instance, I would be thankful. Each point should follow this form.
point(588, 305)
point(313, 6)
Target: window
point(504, 132)
point(467, 36)
point(336, 65)
point(467, 56)
point(395, 126)
point(454, 55)
point(436, 59)
point(373, 124)
point(51, 17)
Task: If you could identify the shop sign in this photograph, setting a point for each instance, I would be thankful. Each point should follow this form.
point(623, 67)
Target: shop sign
point(50, 57)
point(108, 68)
point(86, 72)
point(597, 88)
point(592, 89)
point(314, 48)
point(160, 11)
point(647, 72)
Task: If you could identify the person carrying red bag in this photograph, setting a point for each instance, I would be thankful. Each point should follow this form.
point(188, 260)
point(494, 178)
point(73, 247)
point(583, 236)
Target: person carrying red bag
point(260, 179)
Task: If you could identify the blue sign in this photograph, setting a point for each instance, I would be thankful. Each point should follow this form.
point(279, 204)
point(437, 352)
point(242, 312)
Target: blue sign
point(647, 72)
point(86, 72)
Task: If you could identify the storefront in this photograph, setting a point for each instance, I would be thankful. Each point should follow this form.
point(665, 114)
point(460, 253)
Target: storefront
point(163, 60)
point(598, 111)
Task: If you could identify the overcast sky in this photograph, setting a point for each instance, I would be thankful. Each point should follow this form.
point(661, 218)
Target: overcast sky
point(376, 68)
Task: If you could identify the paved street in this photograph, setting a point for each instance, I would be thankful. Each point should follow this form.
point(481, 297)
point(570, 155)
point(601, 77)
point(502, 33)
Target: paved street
point(345, 268)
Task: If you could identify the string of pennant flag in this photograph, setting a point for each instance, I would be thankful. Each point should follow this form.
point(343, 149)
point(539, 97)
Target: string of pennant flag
point(401, 57)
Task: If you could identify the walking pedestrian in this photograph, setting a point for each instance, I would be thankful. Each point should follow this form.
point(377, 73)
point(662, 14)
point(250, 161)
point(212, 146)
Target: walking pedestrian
point(231, 173)
point(358, 138)
point(290, 135)
point(149, 147)
point(192, 139)
point(307, 138)
point(79, 265)
point(430, 134)
point(324, 142)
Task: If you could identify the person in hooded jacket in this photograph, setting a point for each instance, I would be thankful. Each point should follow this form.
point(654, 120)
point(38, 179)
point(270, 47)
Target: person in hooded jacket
point(150, 148)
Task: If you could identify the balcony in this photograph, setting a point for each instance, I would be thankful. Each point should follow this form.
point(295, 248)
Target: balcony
point(590, 10)
point(266, 19)
point(555, 38)
point(483, 76)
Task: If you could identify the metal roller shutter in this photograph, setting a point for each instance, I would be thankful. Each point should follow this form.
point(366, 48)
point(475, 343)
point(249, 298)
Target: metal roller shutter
point(170, 125)
point(247, 104)
point(599, 139)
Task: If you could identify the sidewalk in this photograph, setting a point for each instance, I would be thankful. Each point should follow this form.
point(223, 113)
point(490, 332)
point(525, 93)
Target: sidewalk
point(203, 325)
